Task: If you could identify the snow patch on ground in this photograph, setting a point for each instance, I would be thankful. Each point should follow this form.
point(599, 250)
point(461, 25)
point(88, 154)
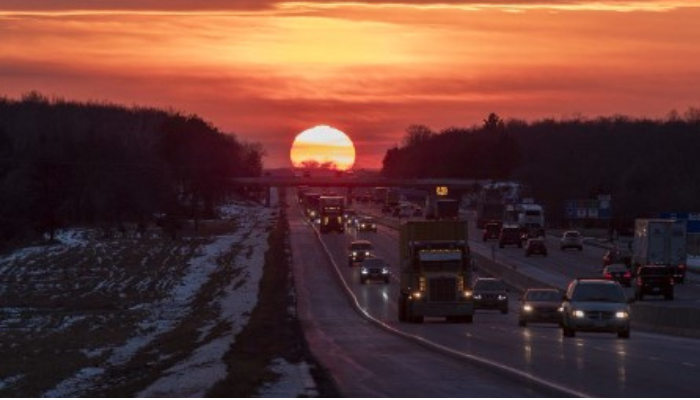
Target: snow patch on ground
point(205, 367)
point(295, 381)
point(9, 381)
point(196, 375)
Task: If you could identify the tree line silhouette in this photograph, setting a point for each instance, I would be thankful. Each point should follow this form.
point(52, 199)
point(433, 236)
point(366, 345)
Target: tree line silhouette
point(647, 166)
point(64, 163)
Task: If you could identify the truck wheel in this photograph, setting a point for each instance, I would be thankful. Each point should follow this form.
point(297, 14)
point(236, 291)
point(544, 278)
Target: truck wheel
point(568, 332)
point(402, 308)
point(522, 322)
point(504, 310)
point(624, 334)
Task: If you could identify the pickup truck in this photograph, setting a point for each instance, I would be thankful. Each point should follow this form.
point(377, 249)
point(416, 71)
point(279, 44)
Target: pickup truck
point(654, 280)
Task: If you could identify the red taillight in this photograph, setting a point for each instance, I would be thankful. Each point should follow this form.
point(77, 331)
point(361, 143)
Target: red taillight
point(628, 275)
point(608, 275)
point(681, 266)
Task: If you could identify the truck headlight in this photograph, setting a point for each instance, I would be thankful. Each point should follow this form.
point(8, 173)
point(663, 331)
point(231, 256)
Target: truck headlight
point(501, 297)
point(579, 314)
point(468, 293)
point(621, 315)
point(385, 270)
point(366, 253)
point(416, 295)
point(354, 253)
point(477, 296)
point(527, 308)
point(364, 271)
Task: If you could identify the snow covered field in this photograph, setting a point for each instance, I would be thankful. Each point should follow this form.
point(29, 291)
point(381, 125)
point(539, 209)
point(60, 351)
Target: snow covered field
point(142, 317)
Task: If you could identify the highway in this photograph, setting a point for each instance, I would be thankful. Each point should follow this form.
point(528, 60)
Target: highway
point(364, 360)
point(647, 365)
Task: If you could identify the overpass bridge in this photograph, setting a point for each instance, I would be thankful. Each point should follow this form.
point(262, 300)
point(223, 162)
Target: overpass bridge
point(350, 182)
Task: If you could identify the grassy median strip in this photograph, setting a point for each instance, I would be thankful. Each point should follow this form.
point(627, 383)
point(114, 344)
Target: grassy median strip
point(273, 332)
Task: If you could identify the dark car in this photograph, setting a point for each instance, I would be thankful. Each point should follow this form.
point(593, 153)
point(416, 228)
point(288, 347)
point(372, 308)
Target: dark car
point(363, 224)
point(358, 251)
point(374, 269)
point(535, 246)
point(619, 273)
point(490, 294)
point(653, 280)
point(492, 230)
point(618, 256)
point(510, 236)
point(540, 305)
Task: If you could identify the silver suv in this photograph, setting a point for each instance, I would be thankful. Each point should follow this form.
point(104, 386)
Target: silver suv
point(571, 239)
point(595, 305)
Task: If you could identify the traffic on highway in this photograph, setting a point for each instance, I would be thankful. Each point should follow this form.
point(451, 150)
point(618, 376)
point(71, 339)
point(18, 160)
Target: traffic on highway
point(558, 319)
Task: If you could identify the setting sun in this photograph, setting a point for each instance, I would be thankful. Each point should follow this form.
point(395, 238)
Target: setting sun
point(323, 146)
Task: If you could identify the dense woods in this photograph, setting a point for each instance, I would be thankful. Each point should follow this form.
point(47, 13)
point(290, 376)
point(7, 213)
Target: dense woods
point(64, 163)
point(647, 166)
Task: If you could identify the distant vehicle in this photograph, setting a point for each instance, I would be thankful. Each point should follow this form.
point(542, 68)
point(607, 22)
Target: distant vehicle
point(595, 305)
point(435, 271)
point(510, 236)
point(417, 211)
point(660, 242)
point(489, 207)
point(358, 250)
point(374, 269)
point(492, 230)
point(535, 246)
point(618, 273)
point(540, 305)
point(349, 216)
point(331, 214)
point(618, 256)
point(571, 239)
point(366, 224)
point(490, 294)
point(653, 280)
point(440, 207)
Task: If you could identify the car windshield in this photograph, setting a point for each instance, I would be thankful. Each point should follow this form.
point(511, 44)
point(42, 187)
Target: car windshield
point(543, 295)
point(373, 263)
point(360, 246)
point(598, 292)
point(616, 268)
point(482, 284)
point(572, 235)
point(367, 220)
point(656, 271)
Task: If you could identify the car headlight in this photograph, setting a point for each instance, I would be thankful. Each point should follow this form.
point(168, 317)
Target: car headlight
point(579, 314)
point(501, 297)
point(621, 315)
point(354, 253)
point(385, 270)
point(560, 309)
point(364, 271)
point(477, 296)
point(366, 253)
point(527, 308)
point(416, 295)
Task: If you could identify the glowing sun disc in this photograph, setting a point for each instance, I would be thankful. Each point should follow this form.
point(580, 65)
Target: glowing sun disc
point(323, 145)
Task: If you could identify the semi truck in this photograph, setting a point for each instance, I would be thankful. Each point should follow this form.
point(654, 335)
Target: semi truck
point(331, 209)
point(439, 207)
point(489, 207)
point(529, 217)
point(435, 271)
point(660, 242)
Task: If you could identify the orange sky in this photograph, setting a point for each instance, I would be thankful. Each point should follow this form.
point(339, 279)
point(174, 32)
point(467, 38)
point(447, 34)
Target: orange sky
point(268, 69)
